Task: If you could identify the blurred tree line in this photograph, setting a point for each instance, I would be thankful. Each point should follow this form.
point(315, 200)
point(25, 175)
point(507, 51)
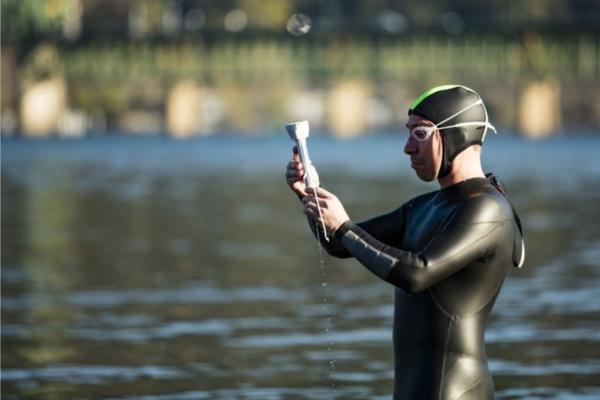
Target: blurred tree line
point(28, 21)
point(118, 55)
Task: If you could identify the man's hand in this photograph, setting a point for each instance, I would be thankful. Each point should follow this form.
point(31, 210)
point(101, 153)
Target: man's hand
point(332, 210)
point(294, 175)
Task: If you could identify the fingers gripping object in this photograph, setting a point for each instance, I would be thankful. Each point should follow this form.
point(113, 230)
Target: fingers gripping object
point(298, 132)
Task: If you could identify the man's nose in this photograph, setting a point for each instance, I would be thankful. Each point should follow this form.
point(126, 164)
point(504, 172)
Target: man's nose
point(411, 146)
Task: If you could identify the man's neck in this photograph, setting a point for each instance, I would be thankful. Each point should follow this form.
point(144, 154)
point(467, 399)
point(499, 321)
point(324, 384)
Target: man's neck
point(466, 165)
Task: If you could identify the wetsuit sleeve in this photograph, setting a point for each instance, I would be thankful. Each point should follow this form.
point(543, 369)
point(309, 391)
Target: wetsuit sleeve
point(386, 228)
point(466, 237)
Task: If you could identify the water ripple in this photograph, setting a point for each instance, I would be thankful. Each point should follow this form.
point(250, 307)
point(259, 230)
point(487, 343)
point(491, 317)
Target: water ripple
point(94, 375)
point(515, 333)
point(582, 367)
point(549, 393)
point(214, 327)
point(307, 339)
point(196, 294)
point(264, 393)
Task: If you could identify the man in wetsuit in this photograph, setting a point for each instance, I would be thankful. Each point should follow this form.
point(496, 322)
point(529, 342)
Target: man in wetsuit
point(446, 252)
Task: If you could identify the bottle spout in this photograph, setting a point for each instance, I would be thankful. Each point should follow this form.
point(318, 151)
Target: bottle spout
point(297, 130)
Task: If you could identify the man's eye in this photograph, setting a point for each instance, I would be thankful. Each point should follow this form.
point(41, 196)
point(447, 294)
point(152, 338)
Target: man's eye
point(420, 134)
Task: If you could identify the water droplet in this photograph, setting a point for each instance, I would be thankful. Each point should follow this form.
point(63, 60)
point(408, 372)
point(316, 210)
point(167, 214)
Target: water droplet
point(299, 24)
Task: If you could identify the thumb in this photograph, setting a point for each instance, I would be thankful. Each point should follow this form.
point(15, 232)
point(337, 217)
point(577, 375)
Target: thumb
point(295, 151)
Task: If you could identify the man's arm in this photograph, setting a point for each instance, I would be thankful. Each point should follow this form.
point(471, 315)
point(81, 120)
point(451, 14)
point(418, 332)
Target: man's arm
point(387, 228)
point(467, 237)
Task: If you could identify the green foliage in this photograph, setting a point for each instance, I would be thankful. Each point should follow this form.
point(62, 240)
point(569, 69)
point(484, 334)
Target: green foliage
point(42, 63)
point(270, 14)
point(23, 19)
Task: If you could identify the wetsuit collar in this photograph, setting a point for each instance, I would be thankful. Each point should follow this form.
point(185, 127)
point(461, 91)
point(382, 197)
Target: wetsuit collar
point(463, 188)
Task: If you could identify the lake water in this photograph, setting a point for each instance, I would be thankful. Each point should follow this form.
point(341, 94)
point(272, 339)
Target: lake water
point(149, 268)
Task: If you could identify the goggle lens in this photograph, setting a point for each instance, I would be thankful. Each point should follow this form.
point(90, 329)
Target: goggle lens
point(422, 133)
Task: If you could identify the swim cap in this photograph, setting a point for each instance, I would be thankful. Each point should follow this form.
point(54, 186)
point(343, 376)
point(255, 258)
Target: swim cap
point(461, 110)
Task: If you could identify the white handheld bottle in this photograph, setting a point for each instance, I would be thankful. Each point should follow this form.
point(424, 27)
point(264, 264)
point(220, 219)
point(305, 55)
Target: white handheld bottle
point(298, 132)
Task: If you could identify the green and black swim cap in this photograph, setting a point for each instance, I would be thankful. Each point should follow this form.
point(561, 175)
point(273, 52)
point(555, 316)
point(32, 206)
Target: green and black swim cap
point(460, 115)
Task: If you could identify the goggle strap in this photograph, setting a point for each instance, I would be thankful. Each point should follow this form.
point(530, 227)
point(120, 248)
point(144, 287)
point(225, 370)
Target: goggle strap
point(474, 123)
point(479, 101)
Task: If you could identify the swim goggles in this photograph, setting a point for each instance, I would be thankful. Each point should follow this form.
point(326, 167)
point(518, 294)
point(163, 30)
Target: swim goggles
point(421, 133)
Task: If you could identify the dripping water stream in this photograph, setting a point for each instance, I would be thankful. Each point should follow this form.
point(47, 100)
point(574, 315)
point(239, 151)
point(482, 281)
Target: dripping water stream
point(326, 311)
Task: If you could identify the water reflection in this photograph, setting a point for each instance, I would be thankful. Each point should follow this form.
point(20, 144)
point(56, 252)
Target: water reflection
point(149, 269)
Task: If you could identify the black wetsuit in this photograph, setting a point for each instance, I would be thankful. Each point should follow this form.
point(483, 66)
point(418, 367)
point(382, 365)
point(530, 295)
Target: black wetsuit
point(447, 254)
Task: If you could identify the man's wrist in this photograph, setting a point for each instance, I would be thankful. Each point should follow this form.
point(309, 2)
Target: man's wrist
point(342, 229)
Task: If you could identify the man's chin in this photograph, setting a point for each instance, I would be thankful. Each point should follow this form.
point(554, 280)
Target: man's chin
point(425, 177)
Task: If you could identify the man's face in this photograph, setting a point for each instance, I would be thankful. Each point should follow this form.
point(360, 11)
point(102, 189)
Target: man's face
point(425, 157)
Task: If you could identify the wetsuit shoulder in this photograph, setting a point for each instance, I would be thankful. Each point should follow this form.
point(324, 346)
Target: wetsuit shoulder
point(485, 205)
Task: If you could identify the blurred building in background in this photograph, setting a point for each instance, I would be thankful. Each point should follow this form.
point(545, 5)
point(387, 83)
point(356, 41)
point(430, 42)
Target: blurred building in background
point(199, 67)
